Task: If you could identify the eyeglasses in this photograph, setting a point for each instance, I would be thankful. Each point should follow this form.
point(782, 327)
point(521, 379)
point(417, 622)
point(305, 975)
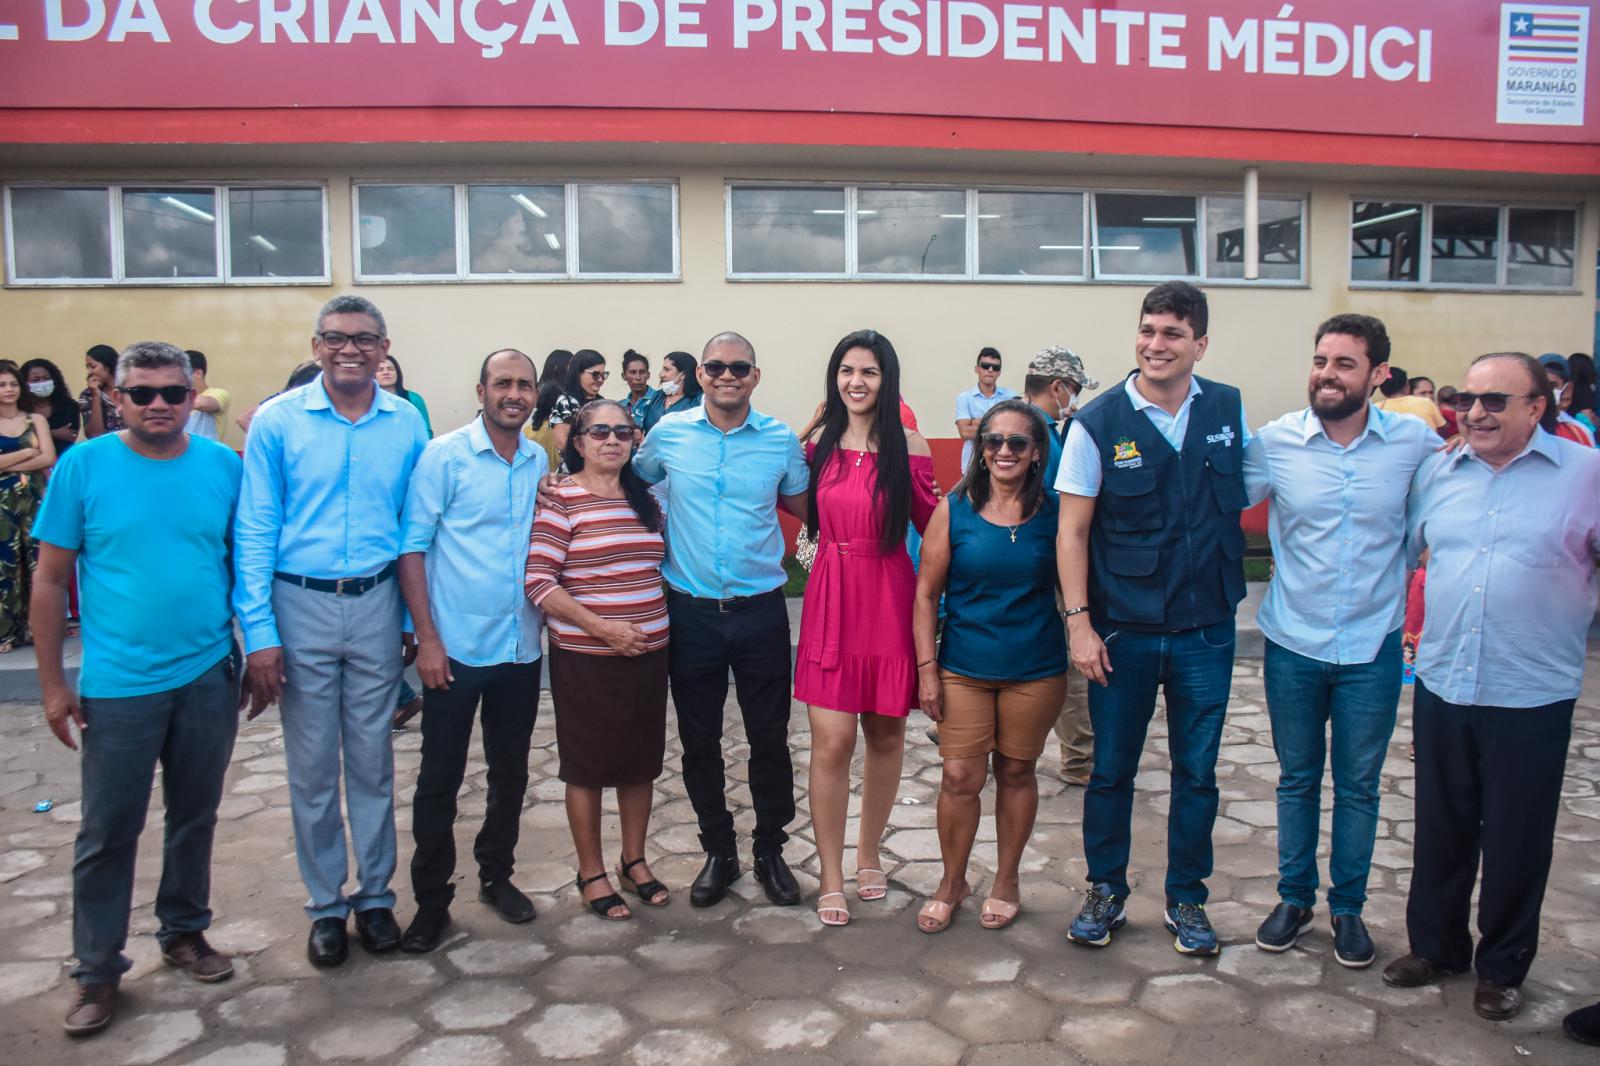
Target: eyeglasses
point(715, 367)
point(364, 342)
point(1493, 402)
point(145, 395)
point(598, 375)
point(989, 366)
point(1016, 442)
point(624, 431)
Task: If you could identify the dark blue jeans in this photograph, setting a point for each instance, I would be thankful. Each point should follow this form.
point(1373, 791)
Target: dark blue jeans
point(188, 732)
point(1305, 698)
point(1195, 670)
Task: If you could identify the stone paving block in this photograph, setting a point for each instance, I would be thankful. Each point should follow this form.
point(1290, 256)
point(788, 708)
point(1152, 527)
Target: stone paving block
point(1297, 966)
point(885, 994)
point(779, 925)
point(372, 1037)
point(909, 1043)
point(583, 978)
point(29, 913)
point(786, 1025)
point(680, 1002)
point(255, 784)
point(386, 980)
point(483, 957)
point(775, 974)
point(1450, 1041)
point(579, 929)
point(36, 885)
point(1078, 983)
point(1260, 813)
point(686, 954)
point(677, 1047)
point(1117, 1036)
point(148, 1038)
point(477, 1049)
point(253, 1053)
point(480, 1004)
point(1320, 1018)
point(958, 961)
point(20, 980)
point(576, 1031)
point(15, 863)
point(1193, 999)
point(979, 1015)
point(245, 936)
point(273, 1006)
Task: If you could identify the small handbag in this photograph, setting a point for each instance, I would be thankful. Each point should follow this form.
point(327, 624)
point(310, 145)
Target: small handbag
point(805, 549)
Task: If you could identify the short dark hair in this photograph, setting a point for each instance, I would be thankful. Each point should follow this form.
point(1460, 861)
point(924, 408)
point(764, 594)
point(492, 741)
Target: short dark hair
point(1397, 383)
point(197, 360)
point(1540, 379)
point(103, 354)
point(992, 353)
point(631, 356)
point(483, 371)
point(1412, 384)
point(1182, 300)
point(1034, 384)
point(1363, 327)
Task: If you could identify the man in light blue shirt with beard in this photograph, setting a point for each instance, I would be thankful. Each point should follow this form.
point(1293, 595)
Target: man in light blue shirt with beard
point(1337, 474)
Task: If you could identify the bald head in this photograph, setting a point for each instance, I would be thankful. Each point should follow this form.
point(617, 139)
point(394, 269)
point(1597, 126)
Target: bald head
point(483, 372)
point(728, 338)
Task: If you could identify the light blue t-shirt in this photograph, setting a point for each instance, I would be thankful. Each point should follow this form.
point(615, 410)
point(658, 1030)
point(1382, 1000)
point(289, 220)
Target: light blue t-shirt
point(154, 574)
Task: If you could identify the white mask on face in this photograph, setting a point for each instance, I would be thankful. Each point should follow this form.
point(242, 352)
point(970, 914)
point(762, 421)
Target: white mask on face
point(42, 388)
point(671, 388)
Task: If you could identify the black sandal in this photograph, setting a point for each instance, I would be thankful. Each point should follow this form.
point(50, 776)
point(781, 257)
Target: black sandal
point(649, 892)
point(604, 904)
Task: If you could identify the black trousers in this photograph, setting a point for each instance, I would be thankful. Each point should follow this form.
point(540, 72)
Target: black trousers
point(1489, 784)
point(752, 639)
point(509, 694)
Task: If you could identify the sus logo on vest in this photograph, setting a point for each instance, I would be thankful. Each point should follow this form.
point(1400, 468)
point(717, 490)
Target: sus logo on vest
point(1125, 454)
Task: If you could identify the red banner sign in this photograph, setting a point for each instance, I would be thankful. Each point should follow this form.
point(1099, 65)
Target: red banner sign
point(1437, 68)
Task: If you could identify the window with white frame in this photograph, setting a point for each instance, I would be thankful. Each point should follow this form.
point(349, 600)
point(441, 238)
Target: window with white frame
point(1421, 244)
point(516, 231)
point(154, 234)
point(904, 232)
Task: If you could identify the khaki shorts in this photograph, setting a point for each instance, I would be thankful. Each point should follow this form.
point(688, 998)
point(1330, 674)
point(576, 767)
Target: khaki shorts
point(1011, 717)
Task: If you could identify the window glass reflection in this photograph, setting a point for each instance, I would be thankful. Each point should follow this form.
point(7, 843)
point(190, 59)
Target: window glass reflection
point(788, 231)
point(169, 233)
point(1278, 233)
point(1466, 245)
point(1542, 247)
point(61, 233)
point(407, 230)
point(1146, 235)
point(517, 229)
point(911, 231)
point(1030, 234)
point(1385, 241)
point(275, 233)
point(625, 229)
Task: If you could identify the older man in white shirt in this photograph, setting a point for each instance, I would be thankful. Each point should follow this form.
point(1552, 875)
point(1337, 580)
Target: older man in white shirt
point(1512, 524)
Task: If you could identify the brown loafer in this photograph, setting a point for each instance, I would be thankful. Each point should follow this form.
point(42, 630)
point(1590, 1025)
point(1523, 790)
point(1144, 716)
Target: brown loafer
point(92, 1007)
point(1414, 971)
point(190, 953)
point(1496, 1002)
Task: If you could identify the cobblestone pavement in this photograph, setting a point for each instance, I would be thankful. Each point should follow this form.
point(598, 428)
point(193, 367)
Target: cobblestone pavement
point(747, 982)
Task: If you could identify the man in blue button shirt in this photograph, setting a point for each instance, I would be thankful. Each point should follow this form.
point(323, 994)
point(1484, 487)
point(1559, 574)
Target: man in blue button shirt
point(1337, 473)
point(1512, 526)
point(468, 515)
point(325, 472)
point(730, 465)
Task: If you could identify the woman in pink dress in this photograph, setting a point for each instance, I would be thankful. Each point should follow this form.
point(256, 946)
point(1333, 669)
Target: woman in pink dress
point(870, 478)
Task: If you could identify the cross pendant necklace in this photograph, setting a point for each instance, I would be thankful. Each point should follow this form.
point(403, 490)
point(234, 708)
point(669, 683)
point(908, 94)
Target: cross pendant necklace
point(1013, 534)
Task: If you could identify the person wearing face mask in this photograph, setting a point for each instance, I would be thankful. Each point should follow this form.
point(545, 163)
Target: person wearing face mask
point(47, 394)
point(1054, 381)
point(679, 390)
point(100, 412)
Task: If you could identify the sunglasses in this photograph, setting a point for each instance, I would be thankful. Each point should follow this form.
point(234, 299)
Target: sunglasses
point(1493, 402)
point(1018, 444)
point(145, 395)
point(715, 367)
point(988, 366)
point(624, 431)
point(598, 375)
point(364, 342)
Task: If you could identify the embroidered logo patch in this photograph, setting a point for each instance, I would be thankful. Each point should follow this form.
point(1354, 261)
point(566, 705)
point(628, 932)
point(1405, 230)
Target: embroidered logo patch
point(1225, 438)
point(1125, 454)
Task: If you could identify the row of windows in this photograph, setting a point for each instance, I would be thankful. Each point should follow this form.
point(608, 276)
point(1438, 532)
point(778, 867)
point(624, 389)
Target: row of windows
point(64, 235)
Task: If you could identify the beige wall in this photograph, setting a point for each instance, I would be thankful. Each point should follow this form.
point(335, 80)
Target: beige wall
point(1261, 337)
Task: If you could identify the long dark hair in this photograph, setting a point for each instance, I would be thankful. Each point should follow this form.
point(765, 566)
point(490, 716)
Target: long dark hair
point(974, 483)
point(892, 488)
point(551, 385)
point(1581, 366)
point(684, 364)
point(634, 487)
point(399, 379)
point(58, 401)
point(583, 360)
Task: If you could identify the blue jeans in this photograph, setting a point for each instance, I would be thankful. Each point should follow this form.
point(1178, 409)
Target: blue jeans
point(188, 732)
point(1195, 669)
point(1304, 698)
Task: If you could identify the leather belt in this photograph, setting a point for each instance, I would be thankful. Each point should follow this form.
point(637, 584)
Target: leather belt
point(340, 586)
point(727, 606)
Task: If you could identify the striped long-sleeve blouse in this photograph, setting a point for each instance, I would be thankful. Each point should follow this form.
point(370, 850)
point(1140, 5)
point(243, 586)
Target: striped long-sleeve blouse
point(603, 556)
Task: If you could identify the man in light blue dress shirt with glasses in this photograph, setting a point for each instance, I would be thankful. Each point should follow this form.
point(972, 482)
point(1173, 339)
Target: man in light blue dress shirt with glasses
point(1337, 474)
point(469, 512)
point(315, 548)
point(730, 465)
point(1512, 526)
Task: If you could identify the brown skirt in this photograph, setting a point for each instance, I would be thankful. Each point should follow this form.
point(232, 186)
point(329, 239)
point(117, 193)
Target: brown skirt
point(611, 717)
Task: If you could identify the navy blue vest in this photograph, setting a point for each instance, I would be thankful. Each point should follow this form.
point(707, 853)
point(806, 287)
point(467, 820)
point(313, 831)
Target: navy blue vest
point(1165, 548)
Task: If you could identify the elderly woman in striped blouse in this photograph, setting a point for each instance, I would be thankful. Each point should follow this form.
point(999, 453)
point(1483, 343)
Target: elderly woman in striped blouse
point(594, 568)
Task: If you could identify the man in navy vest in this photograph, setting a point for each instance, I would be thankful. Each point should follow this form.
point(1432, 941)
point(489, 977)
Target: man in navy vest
point(1151, 560)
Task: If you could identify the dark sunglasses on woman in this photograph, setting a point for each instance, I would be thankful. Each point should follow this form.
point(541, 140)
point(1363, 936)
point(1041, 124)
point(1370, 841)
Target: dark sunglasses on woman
point(1017, 442)
point(623, 431)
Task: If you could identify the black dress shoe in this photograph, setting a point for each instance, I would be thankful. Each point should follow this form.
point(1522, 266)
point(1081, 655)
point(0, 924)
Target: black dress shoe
point(423, 934)
point(774, 875)
point(1496, 1002)
point(1352, 944)
point(329, 943)
point(507, 900)
point(1583, 1025)
point(1414, 971)
point(1285, 925)
point(378, 930)
point(716, 875)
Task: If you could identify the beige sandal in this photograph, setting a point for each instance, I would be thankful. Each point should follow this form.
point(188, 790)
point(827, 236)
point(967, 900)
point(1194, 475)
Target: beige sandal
point(824, 912)
point(998, 913)
point(940, 912)
point(868, 891)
